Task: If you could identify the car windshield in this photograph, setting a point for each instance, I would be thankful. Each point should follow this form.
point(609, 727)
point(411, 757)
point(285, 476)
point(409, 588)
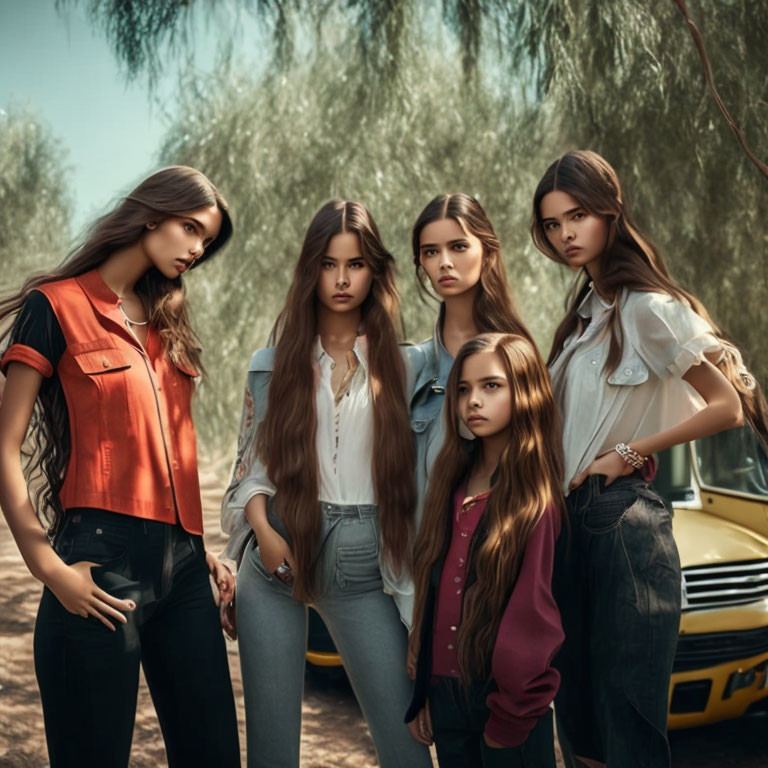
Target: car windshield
point(733, 460)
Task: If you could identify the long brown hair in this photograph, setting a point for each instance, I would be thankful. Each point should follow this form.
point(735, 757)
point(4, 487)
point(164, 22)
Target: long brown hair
point(169, 192)
point(493, 310)
point(629, 260)
point(527, 481)
point(286, 438)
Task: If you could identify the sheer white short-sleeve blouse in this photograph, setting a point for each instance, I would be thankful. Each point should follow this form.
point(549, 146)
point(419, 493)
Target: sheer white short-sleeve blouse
point(645, 394)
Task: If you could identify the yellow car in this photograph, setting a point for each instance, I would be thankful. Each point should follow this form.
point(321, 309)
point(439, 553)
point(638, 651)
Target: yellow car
point(719, 490)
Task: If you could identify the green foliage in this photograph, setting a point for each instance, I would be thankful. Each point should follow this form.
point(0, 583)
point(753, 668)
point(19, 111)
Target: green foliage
point(621, 78)
point(279, 148)
point(34, 200)
point(142, 32)
point(147, 35)
point(625, 80)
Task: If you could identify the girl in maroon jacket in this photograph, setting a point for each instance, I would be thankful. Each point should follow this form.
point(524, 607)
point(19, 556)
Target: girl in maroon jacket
point(485, 625)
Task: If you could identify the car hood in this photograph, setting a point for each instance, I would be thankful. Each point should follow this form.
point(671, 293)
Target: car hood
point(704, 539)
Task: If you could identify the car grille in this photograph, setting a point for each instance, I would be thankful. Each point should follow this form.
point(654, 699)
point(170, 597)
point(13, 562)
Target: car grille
point(710, 586)
point(709, 650)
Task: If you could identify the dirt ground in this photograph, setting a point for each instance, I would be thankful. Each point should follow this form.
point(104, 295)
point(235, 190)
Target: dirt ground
point(334, 734)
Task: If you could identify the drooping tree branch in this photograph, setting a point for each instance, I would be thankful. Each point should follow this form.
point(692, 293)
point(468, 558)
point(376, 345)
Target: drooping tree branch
point(700, 47)
point(142, 32)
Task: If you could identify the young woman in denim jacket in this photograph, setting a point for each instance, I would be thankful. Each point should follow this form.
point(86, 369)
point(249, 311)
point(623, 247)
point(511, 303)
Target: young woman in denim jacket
point(486, 626)
point(456, 250)
point(637, 366)
point(320, 505)
point(103, 360)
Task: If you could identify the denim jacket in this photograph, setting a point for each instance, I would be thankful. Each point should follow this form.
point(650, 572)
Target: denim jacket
point(247, 475)
point(429, 366)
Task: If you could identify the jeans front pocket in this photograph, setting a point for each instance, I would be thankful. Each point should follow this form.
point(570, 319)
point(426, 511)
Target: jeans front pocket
point(64, 542)
point(97, 539)
point(357, 568)
point(357, 555)
point(606, 506)
point(113, 577)
point(108, 545)
point(255, 558)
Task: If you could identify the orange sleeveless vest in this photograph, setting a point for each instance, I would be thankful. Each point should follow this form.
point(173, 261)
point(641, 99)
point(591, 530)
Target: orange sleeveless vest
point(133, 445)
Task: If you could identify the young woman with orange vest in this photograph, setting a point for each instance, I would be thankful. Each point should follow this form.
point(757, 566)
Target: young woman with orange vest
point(101, 364)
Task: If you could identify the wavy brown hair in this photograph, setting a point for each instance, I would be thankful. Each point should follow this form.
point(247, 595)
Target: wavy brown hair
point(629, 260)
point(527, 480)
point(493, 310)
point(172, 191)
point(286, 437)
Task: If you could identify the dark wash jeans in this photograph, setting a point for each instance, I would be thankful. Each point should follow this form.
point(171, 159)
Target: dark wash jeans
point(617, 584)
point(88, 675)
point(458, 723)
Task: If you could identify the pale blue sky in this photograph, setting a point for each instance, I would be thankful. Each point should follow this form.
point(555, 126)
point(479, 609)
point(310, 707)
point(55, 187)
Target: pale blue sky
point(57, 65)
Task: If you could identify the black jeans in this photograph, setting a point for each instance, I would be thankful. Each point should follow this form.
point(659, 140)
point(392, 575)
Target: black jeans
point(458, 723)
point(88, 675)
point(617, 585)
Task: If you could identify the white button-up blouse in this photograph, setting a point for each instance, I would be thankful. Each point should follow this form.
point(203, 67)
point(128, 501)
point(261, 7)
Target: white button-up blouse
point(344, 437)
point(645, 394)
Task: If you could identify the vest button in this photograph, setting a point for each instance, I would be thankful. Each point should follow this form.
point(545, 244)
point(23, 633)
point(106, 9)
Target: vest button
point(105, 362)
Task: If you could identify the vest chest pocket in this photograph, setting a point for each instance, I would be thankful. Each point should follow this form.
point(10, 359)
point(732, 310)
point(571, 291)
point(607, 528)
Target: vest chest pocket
point(99, 361)
point(102, 390)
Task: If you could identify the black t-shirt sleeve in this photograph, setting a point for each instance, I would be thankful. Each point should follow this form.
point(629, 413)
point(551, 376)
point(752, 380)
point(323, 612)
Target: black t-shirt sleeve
point(37, 327)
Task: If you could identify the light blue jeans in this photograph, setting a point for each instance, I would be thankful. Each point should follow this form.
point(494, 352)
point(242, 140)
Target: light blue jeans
point(364, 624)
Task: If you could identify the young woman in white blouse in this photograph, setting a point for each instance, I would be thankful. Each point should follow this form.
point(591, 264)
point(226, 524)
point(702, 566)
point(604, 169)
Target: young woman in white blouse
point(637, 366)
point(322, 494)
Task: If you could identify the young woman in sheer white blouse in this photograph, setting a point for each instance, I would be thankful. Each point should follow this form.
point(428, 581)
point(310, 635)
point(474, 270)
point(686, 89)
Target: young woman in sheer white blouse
point(637, 366)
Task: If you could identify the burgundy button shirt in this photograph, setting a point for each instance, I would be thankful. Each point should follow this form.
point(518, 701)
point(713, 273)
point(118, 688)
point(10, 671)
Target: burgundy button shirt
point(530, 632)
point(466, 515)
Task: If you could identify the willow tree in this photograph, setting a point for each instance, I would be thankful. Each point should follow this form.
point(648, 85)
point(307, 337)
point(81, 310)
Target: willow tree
point(481, 95)
point(627, 83)
point(621, 77)
point(35, 205)
point(278, 148)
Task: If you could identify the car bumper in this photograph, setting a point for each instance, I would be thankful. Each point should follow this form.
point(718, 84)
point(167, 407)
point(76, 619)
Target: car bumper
point(704, 696)
point(721, 666)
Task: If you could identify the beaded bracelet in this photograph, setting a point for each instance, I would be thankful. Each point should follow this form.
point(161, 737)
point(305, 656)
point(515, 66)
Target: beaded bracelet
point(630, 456)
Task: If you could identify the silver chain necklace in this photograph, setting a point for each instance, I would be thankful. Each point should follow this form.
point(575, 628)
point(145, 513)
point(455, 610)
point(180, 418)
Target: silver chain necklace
point(128, 319)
